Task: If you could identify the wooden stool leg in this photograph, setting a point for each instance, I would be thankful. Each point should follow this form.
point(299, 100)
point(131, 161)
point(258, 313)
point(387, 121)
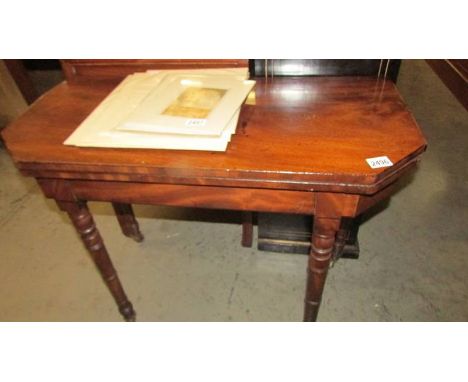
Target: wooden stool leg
point(127, 221)
point(354, 229)
point(84, 224)
point(351, 248)
point(323, 241)
point(247, 228)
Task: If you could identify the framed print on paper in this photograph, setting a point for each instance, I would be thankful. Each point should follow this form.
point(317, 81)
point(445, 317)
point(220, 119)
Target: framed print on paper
point(194, 104)
point(98, 129)
point(145, 140)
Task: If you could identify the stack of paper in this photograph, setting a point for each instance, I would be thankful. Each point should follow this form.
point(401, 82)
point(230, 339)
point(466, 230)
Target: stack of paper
point(176, 109)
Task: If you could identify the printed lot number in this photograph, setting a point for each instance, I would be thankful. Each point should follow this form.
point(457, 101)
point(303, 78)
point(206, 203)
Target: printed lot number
point(195, 122)
point(379, 162)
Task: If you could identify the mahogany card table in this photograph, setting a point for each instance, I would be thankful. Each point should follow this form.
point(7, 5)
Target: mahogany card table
point(301, 147)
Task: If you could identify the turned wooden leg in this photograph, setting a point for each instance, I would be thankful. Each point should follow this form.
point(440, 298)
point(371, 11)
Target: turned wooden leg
point(127, 221)
point(323, 241)
point(84, 224)
point(342, 237)
point(247, 228)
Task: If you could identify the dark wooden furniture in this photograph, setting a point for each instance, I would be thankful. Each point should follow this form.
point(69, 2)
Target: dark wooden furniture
point(330, 125)
point(21, 77)
point(114, 70)
point(332, 67)
point(454, 74)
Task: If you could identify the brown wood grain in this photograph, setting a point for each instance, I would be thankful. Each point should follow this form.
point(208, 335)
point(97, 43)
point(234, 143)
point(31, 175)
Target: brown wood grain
point(299, 202)
point(116, 70)
point(320, 256)
point(128, 223)
point(22, 79)
point(454, 74)
point(307, 134)
point(92, 240)
point(247, 229)
point(300, 147)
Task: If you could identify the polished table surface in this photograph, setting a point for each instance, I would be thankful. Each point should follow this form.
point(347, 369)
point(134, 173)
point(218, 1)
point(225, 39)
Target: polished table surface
point(300, 134)
point(300, 147)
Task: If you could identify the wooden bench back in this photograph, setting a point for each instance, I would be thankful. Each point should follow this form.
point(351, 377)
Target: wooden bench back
point(116, 70)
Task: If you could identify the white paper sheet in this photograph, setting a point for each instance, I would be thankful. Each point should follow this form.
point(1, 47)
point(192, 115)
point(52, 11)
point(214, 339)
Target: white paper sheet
point(99, 128)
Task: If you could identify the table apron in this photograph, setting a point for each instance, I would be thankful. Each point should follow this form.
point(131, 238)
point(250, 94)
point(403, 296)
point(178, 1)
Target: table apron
point(232, 198)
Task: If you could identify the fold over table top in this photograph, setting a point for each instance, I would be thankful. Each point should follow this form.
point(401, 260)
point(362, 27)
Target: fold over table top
point(296, 133)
